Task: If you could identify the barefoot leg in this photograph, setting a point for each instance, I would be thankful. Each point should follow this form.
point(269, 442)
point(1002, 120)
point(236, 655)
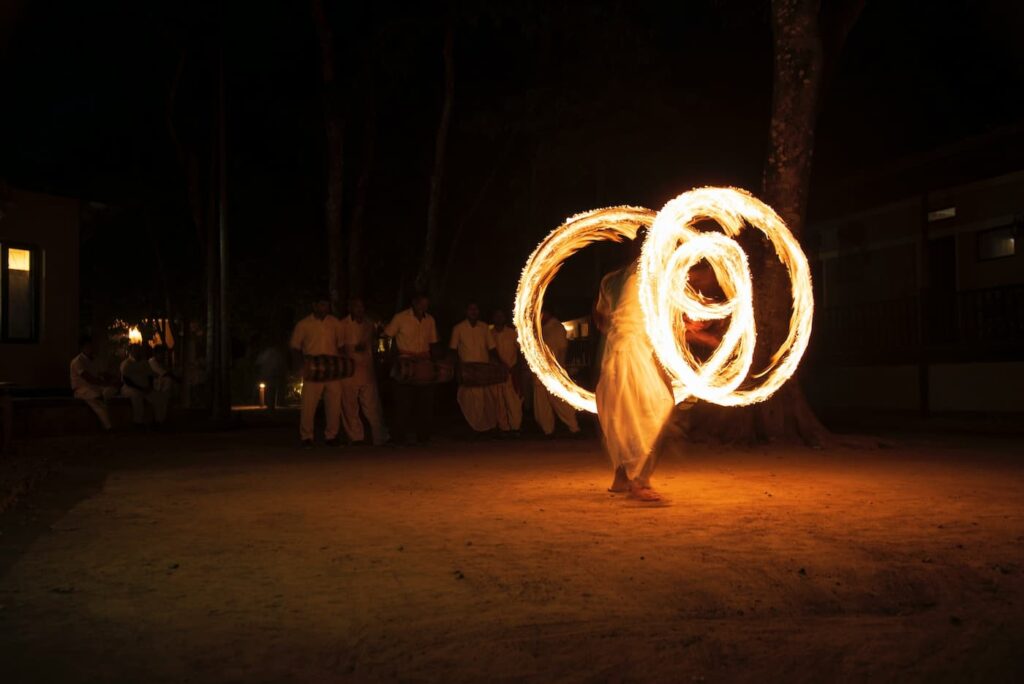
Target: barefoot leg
point(643, 493)
point(621, 481)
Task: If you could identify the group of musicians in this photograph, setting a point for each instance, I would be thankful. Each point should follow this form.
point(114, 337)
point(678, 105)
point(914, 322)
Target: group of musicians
point(337, 358)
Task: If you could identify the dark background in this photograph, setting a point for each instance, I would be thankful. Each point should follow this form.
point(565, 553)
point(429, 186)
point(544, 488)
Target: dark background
point(568, 106)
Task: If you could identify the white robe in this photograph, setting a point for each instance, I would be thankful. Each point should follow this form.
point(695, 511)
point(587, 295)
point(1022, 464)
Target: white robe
point(634, 400)
point(474, 343)
point(546, 405)
point(509, 403)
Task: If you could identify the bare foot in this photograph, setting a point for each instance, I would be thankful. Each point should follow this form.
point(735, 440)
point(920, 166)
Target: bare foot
point(621, 482)
point(645, 494)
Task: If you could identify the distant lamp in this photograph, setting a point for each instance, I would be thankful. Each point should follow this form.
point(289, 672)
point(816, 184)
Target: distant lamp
point(263, 395)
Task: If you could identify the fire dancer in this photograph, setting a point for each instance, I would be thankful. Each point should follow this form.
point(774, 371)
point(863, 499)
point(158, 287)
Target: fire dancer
point(138, 378)
point(509, 401)
point(472, 341)
point(317, 340)
point(634, 398)
point(414, 331)
point(545, 405)
point(90, 383)
point(359, 391)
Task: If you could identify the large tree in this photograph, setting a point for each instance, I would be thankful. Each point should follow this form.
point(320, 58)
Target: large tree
point(807, 38)
point(334, 127)
point(426, 278)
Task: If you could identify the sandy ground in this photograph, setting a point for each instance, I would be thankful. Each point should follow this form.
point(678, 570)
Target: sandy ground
point(237, 557)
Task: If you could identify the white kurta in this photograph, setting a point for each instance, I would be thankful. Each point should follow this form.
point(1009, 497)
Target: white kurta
point(546, 405)
point(141, 374)
point(319, 337)
point(633, 397)
point(93, 395)
point(473, 343)
point(413, 336)
point(359, 391)
point(509, 402)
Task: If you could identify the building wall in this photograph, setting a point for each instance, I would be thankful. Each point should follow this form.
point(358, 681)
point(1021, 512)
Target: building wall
point(959, 387)
point(871, 255)
point(50, 223)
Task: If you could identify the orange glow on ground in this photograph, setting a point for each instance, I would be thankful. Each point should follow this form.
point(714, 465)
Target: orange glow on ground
point(465, 560)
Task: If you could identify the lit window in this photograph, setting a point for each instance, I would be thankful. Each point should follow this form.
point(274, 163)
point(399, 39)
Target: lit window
point(997, 243)
point(19, 293)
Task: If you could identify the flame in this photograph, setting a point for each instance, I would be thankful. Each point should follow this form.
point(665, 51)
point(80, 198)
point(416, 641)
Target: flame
point(614, 223)
point(672, 248)
point(134, 336)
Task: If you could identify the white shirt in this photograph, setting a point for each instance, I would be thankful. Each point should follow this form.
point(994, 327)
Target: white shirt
point(138, 371)
point(556, 338)
point(80, 365)
point(472, 342)
point(412, 335)
point(317, 337)
point(353, 334)
point(506, 342)
point(162, 377)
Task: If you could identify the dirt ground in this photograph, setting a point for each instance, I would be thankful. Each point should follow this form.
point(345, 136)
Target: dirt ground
point(236, 557)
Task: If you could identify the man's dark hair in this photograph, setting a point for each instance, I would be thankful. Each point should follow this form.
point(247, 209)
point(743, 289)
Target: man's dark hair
point(84, 340)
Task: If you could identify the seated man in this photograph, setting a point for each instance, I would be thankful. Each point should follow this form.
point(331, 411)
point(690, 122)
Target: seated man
point(163, 379)
point(138, 377)
point(90, 384)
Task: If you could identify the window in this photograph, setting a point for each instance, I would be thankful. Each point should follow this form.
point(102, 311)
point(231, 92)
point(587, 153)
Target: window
point(19, 293)
point(997, 243)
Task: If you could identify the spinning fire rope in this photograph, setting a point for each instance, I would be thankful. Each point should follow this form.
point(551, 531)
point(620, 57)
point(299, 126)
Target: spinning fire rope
point(672, 248)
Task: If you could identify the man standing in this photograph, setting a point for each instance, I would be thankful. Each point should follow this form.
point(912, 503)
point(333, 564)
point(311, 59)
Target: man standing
point(545, 404)
point(138, 377)
point(509, 400)
point(90, 384)
point(358, 337)
point(473, 343)
point(413, 331)
point(317, 339)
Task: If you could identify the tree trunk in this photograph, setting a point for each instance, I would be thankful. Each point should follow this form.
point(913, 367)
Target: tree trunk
point(355, 228)
point(334, 133)
point(425, 277)
point(797, 76)
point(787, 176)
point(469, 217)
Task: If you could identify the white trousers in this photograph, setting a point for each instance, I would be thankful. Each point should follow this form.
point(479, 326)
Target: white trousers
point(95, 398)
point(158, 400)
point(478, 406)
point(364, 397)
point(546, 406)
point(510, 406)
point(311, 393)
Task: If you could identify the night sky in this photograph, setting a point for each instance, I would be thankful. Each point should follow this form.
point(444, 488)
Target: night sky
point(559, 107)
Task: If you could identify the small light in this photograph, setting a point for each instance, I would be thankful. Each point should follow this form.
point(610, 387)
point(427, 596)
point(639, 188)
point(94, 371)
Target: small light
point(263, 385)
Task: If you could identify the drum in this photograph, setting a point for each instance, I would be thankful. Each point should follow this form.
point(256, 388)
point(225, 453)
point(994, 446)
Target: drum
point(326, 368)
point(445, 371)
point(414, 370)
point(482, 374)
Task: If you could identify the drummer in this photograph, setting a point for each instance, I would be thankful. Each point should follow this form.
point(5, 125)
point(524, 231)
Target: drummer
point(413, 331)
point(510, 400)
point(473, 342)
point(315, 341)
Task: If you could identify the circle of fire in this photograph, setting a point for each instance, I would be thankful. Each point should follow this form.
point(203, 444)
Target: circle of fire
point(673, 247)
